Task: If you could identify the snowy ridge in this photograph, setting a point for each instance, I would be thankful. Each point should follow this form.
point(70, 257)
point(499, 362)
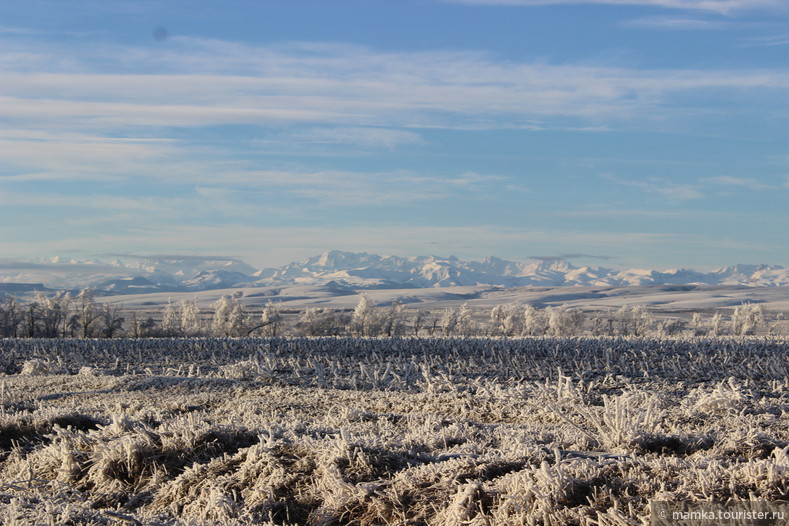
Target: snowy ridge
point(371, 270)
point(134, 275)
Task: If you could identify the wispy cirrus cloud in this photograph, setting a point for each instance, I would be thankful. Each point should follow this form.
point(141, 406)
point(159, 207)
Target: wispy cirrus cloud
point(767, 41)
point(34, 155)
point(349, 88)
point(231, 191)
point(673, 23)
point(740, 182)
point(676, 192)
point(333, 188)
point(663, 188)
point(363, 137)
point(717, 6)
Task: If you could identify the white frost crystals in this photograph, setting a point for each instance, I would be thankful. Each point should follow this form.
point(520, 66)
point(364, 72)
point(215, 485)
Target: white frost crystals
point(363, 431)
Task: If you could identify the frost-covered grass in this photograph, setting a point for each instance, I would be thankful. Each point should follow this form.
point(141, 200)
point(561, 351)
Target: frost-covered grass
point(381, 431)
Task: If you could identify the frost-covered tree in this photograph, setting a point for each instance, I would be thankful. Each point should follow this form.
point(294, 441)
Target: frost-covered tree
point(87, 312)
point(602, 324)
point(310, 321)
point(508, 320)
point(393, 323)
point(189, 314)
point(365, 320)
point(699, 327)
point(319, 322)
point(513, 320)
point(66, 301)
point(171, 322)
point(228, 317)
point(432, 324)
point(111, 321)
point(633, 320)
point(776, 327)
point(554, 317)
point(532, 321)
point(642, 320)
point(9, 317)
point(465, 321)
point(747, 318)
point(448, 321)
point(716, 324)
point(30, 321)
point(44, 316)
point(142, 328)
point(672, 327)
point(564, 321)
point(270, 319)
point(419, 321)
point(53, 310)
point(496, 317)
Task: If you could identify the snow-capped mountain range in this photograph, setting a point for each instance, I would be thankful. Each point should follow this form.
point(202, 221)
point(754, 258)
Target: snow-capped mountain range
point(134, 275)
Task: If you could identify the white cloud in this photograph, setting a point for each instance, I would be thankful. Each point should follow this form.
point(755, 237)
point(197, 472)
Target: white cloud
point(336, 188)
point(33, 155)
point(767, 41)
point(362, 137)
point(344, 90)
point(677, 192)
point(669, 190)
point(80, 158)
point(742, 182)
point(717, 6)
point(94, 206)
point(676, 23)
point(630, 213)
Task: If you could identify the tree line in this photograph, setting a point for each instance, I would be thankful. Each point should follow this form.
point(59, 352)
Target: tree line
point(81, 315)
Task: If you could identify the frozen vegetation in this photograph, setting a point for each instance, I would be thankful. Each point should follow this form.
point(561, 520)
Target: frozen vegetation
point(368, 431)
point(83, 315)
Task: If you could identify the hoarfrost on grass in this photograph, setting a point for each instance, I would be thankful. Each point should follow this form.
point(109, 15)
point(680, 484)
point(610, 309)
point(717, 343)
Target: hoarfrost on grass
point(387, 431)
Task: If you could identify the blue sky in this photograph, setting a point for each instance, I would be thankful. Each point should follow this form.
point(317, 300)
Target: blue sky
point(652, 133)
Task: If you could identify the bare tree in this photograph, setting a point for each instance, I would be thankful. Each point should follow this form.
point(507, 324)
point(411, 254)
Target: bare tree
point(10, 317)
point(87, 312)
point(30, 319)
point(393, 323)
point(270, 319)
point(420, 317)
point(319, 322)
point(142, 328)
point(111, 321)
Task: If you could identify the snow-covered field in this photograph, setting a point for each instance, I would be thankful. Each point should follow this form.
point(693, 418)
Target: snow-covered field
point(387, 431)
point(657, 297)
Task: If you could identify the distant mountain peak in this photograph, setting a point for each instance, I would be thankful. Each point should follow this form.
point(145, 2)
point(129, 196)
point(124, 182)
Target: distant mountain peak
point(356, 270)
